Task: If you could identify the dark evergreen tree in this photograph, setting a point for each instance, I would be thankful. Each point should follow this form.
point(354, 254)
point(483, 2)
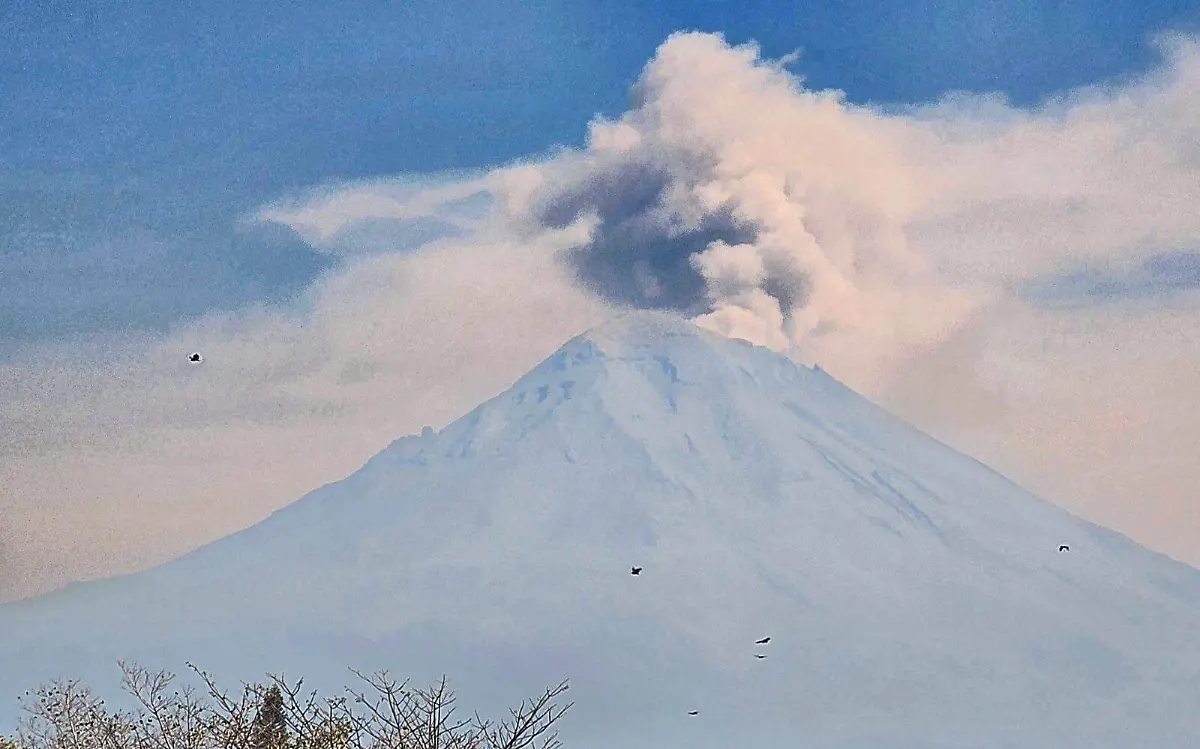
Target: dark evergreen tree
point(270, 724)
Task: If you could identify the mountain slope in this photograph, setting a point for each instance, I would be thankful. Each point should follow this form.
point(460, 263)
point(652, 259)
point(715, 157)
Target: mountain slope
point(913, 596)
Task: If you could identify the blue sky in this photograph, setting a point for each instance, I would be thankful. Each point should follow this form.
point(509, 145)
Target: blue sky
point(133, 135)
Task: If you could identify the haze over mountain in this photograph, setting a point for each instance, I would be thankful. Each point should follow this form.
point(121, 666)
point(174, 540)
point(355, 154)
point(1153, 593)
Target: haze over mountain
point(912, 595)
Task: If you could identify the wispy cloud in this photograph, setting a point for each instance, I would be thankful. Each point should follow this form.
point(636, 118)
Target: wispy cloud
point(82, 256)
point(1162, 274)
point(890, 246)
point(351, 218)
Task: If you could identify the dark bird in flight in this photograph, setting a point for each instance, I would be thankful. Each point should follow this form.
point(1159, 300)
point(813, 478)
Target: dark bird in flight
point(635, 570)
point(194, 358)
point(693, 712)
point(759, 655)
point(763, 641)
point(1064, 547)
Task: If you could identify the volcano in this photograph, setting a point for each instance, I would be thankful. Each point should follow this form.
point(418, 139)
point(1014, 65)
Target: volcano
point(914, 597)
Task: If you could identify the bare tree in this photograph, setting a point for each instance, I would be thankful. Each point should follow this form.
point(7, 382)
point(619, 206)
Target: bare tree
point(66, 715)
point(169, 719)
point(275, 715)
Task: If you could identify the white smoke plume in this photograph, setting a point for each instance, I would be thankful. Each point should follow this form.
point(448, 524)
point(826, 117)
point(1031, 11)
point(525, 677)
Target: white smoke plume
point(767, 211)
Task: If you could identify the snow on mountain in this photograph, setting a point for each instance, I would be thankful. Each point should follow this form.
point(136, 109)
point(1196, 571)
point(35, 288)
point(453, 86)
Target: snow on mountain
point(914, 597)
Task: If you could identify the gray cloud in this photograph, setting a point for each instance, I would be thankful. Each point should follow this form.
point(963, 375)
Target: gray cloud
point(634, 256)
point(1160, 274)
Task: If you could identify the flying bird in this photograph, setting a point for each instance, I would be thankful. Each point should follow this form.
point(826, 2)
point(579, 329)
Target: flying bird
point(763, 641)
point(635, 570)
point(693, 712)
point(194, 358)
point(759, 655)
point(1064, 547)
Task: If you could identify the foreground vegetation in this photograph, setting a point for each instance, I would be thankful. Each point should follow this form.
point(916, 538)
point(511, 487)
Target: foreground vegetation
point(273, 715)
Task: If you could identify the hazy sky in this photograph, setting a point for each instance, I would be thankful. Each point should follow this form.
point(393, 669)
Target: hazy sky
point(982, 217)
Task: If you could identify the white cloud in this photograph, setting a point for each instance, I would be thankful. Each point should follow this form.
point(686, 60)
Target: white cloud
point(1091, 406)
point(1102, 174)
point(884, 245)
point(132, 455)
